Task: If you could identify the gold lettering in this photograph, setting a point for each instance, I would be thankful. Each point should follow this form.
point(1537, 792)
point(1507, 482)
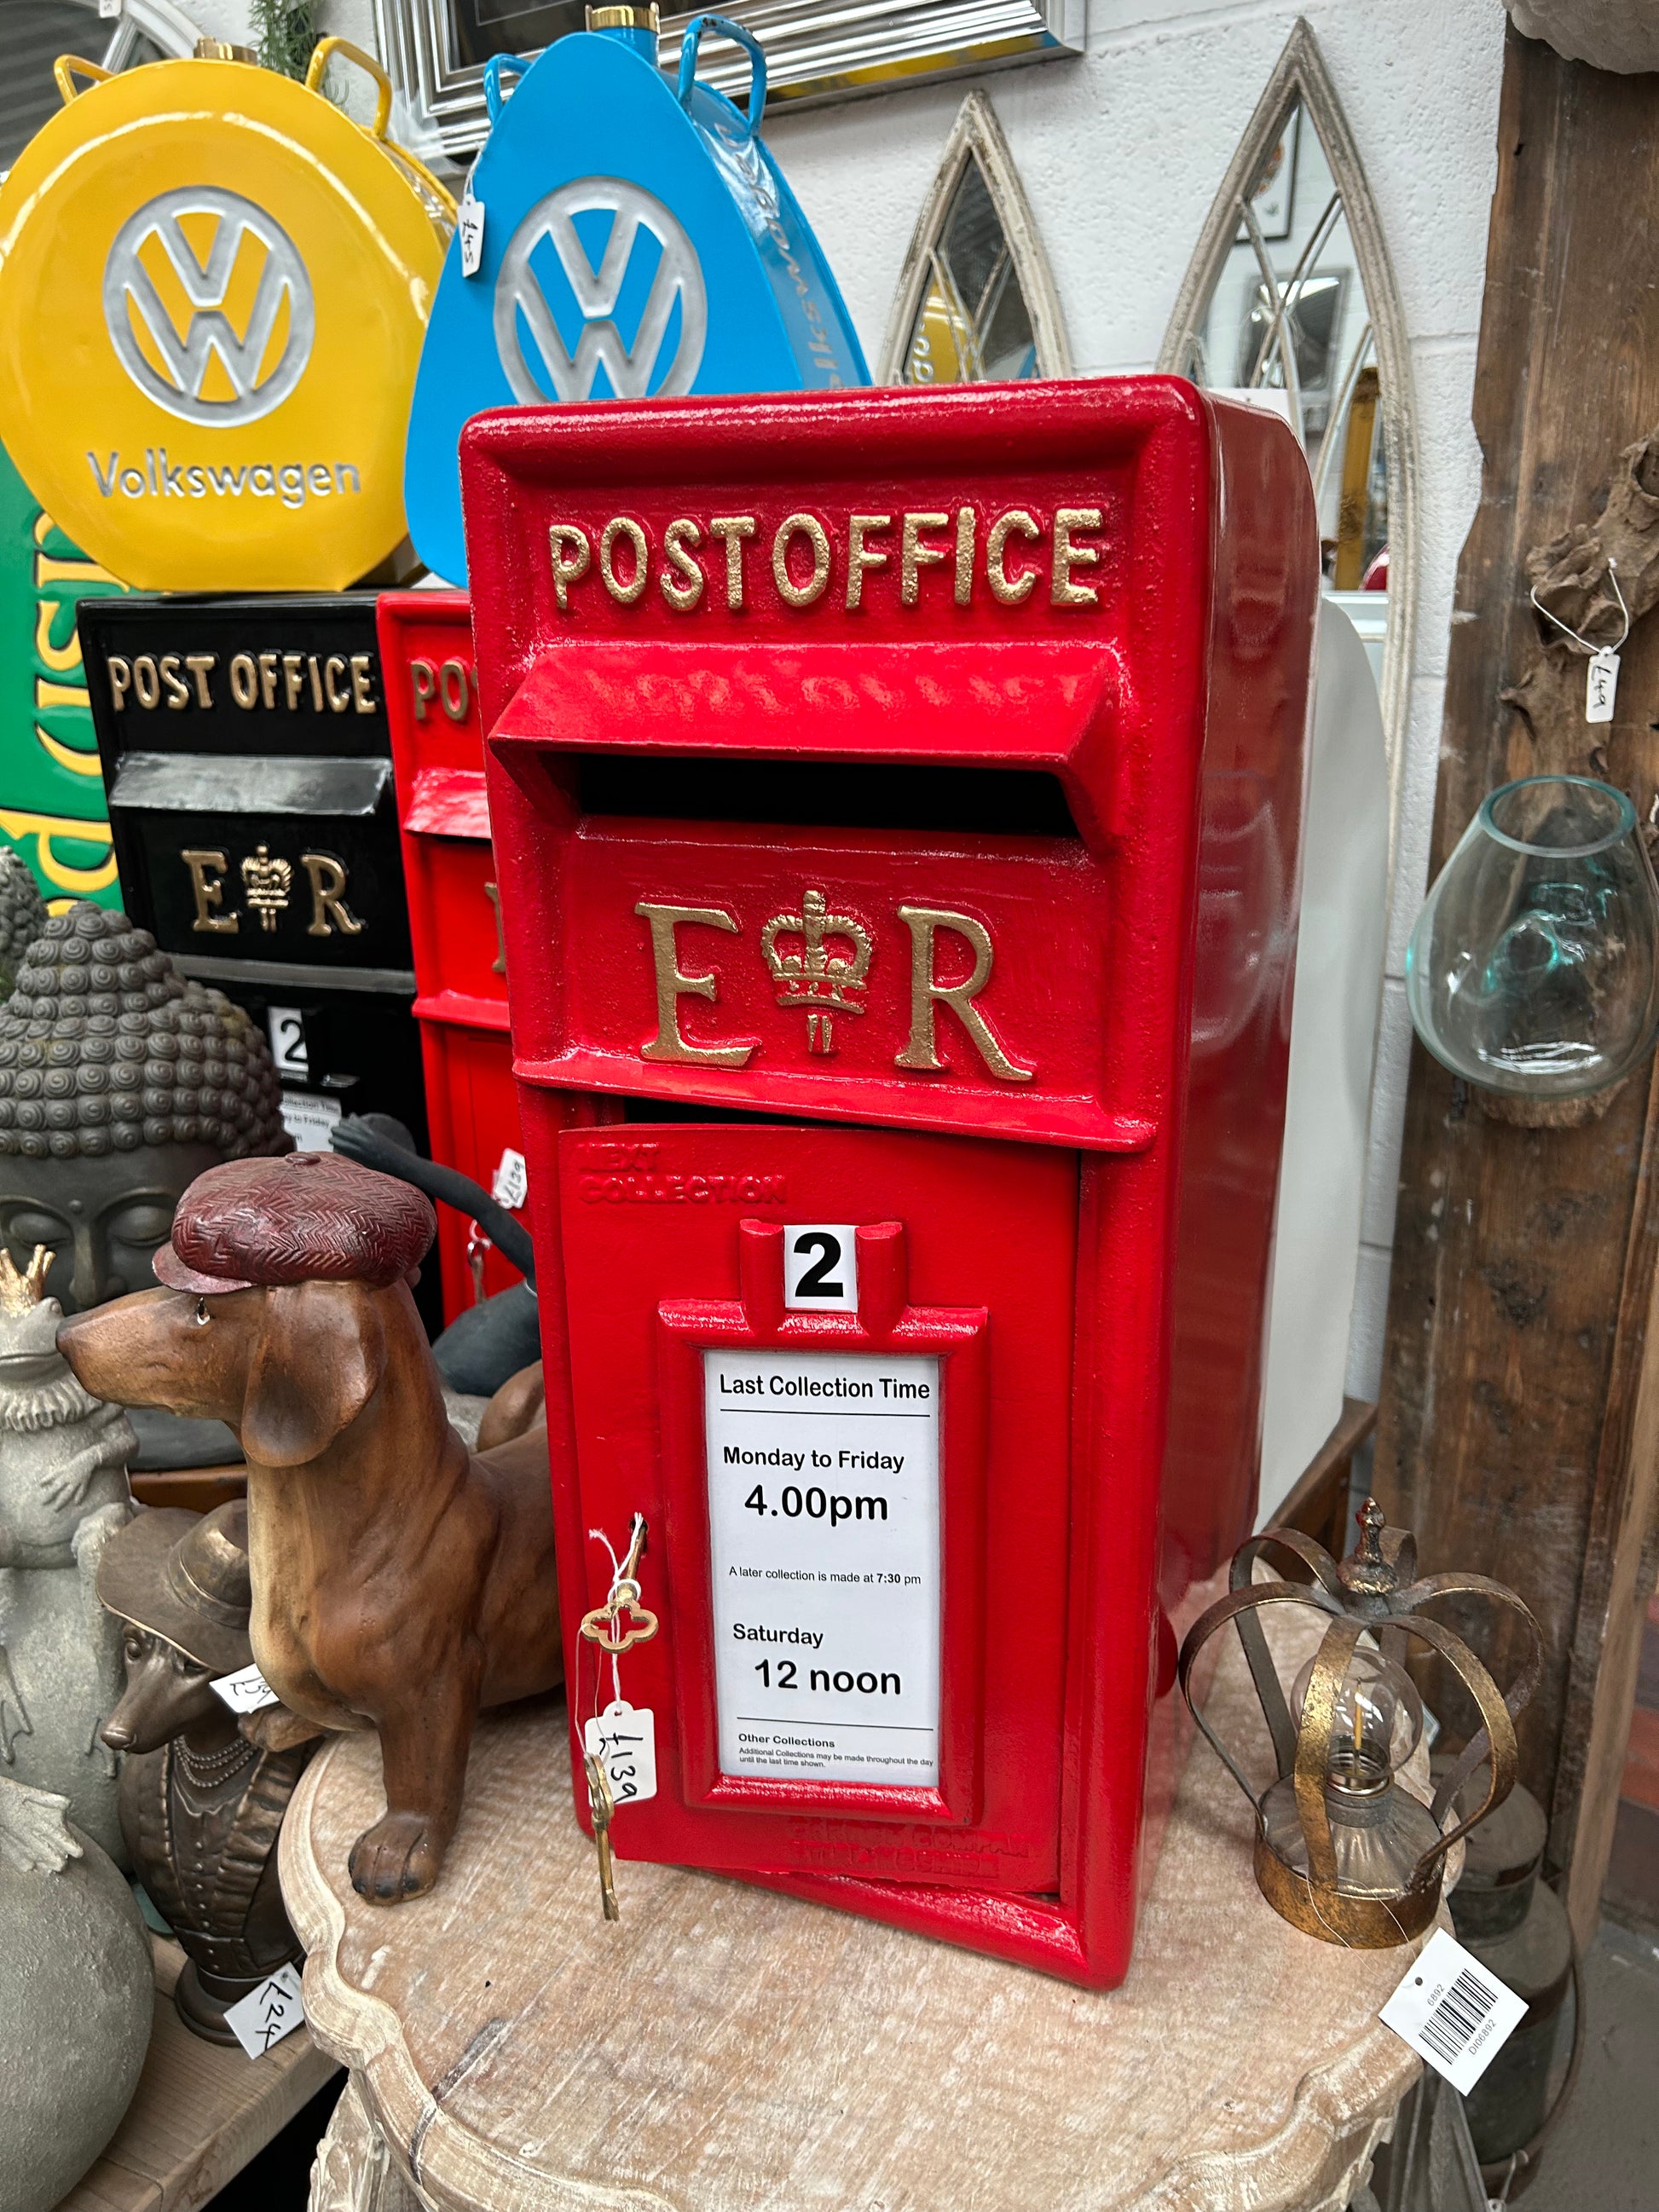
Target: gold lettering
point(61, 658)
point(622, 526)
point(454, 687)
point(926, 992)
point(58, 695)
point(316, 675)
point(964, 587)
point(177, 689)
point(733, 529)
point(269, 669)
point(913, 555)
point(146, 684)
point(361, 697)
point(209, 891)
point(120, 679)
point(200, 665)
point(339, 701)
point(245, 680)
point(294, 679)
point(572, 558)
point(1009, 591)
point(424, 684)
point(861, 557)
point(807, 526)
point(328, 882)
point(677, 541)
point(1063, 592)
point(672, 984)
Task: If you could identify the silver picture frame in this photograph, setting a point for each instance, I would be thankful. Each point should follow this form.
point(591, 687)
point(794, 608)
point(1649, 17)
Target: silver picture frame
point(818, 51)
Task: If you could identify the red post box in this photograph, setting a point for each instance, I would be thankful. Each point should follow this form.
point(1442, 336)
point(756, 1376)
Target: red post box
point(897, 800)
point(455, 912)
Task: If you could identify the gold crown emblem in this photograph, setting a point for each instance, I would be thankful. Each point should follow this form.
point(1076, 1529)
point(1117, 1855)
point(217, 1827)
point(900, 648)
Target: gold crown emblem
point(814, 976)
point(267, 883)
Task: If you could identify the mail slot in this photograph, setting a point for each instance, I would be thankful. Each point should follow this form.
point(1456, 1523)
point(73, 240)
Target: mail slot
point(455, 912)
point(896, 801)
point(248, 774)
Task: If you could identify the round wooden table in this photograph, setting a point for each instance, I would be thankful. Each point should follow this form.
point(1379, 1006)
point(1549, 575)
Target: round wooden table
point(724, 2049)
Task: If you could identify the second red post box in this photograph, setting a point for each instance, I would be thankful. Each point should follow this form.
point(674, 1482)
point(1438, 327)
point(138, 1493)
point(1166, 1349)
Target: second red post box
point(896, 801)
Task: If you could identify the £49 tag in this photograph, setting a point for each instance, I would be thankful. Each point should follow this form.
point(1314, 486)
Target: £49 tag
point(1602, 685)
point(245, 1692)
point(470, 222)
point(624, 1737)
point(1453, 2011)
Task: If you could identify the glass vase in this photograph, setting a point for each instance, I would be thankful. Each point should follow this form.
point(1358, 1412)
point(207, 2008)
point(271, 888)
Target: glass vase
point(1534, 968)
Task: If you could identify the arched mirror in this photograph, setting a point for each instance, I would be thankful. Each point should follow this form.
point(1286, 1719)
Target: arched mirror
point(1290, 295)
point(975, 303)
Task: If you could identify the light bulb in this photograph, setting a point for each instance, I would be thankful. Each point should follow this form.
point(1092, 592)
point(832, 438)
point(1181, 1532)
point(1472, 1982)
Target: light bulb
point(1377, 1723)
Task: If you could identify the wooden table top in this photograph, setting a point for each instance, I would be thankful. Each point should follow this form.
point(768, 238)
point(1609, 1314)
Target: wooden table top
point(724, 2048)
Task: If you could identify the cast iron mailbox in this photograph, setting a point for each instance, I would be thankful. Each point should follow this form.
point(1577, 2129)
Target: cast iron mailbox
point(455, 916)
point(896, 800)
point(249, 777)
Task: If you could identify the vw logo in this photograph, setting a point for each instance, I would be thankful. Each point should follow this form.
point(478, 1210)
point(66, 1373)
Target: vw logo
point(172, 287)
point(636, 370)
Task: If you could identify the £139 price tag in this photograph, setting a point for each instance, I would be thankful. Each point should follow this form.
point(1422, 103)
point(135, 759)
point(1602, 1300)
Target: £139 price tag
point(624, 1737)
point(1453, 2011)
point(511, 1185)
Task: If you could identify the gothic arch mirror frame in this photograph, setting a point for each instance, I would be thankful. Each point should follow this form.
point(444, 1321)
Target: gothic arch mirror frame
point(1299, 79)
point(976, 136)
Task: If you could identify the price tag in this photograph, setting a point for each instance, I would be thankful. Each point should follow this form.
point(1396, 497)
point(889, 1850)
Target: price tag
point(820, 1268)
point(109, 10)
point(824, 1516)
point(245, 1692)
point(266, 2014)
point(511, 1185)
point(624, 1738)
point(1602, 685)
point(470, 222)
point(1454, 2012)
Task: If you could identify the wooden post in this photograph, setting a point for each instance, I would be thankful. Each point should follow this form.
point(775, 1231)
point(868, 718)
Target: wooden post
point(1519, 1432)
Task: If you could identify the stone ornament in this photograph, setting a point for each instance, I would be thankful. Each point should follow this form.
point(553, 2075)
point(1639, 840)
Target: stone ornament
point(119, 1082)
point(1622, 35)
point(64, 1493)
point(201, 1798)
point(75, 2022)
point(400, 1581)
point(22, 914)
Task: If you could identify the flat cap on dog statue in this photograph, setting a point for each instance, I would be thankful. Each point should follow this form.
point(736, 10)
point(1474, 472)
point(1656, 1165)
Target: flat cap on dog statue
point(400, 1581)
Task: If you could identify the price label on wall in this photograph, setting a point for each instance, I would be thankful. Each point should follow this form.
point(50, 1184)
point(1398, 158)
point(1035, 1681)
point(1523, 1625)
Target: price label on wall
point(824, 1512)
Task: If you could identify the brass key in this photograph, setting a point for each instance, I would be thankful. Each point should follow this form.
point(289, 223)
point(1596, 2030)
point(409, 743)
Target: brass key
point(602, 1804)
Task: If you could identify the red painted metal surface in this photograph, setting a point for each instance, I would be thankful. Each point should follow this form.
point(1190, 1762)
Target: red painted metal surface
point(437, 755)
point(1015, 680)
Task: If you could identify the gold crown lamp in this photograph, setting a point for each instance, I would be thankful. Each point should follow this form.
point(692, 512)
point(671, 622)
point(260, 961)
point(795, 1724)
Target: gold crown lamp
point(1343, 1850)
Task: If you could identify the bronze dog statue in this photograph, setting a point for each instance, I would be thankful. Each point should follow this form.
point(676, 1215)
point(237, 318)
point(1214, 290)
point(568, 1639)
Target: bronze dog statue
point(400, 1581)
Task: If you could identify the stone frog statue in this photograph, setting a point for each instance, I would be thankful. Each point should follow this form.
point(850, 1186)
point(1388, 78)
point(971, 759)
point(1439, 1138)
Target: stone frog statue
point(63, 1494)
point(203, 1795)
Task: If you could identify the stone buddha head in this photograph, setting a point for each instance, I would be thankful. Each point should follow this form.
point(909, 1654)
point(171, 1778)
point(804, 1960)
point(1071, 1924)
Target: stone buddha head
point(22, 914)
point(120, 1083)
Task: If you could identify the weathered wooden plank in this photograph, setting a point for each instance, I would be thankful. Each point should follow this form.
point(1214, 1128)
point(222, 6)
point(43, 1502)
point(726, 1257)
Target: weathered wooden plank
point(1510, 1436)
point(200, 2112)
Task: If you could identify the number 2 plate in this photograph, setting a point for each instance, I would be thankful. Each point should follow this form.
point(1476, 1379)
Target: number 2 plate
point(820, 1268)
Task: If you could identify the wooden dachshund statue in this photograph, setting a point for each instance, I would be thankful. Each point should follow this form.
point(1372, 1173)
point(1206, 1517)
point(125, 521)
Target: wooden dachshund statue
point(400, 1581)
point(201, 1798)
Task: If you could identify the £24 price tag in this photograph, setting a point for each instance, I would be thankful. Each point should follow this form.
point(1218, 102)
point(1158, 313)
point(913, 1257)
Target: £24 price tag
point(1453, 2011)
point(266, 2014)
point(623, 1738)
point(245, 1692)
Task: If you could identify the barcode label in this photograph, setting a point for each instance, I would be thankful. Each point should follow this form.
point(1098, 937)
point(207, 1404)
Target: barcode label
point(1453, 2011)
